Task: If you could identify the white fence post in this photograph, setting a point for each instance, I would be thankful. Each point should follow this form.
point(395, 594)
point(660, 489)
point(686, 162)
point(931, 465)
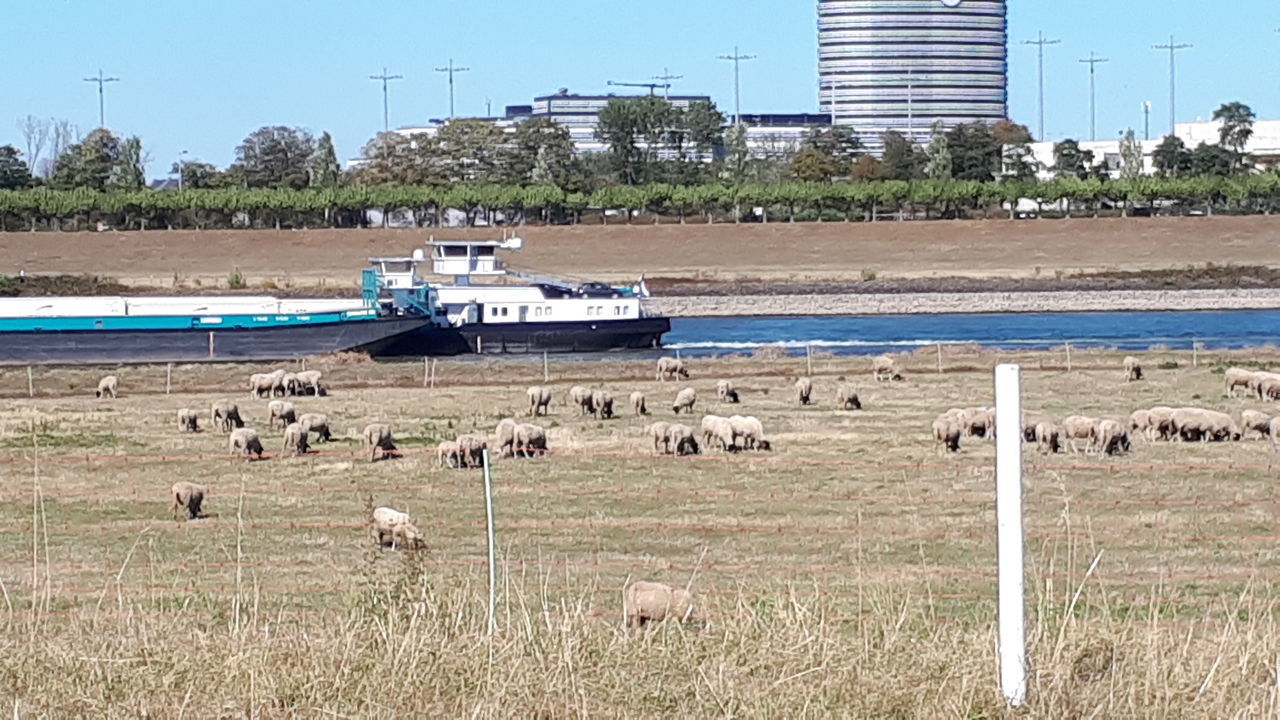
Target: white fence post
point(1012, 621)
point(493, 568)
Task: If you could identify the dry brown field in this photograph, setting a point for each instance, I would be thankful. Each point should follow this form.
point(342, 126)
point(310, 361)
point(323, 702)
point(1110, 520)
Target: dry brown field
point(775, 252)
point(849, 573)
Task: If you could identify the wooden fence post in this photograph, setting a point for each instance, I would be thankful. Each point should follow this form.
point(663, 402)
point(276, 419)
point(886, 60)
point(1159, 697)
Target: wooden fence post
point(168, 379)
point(31, 383)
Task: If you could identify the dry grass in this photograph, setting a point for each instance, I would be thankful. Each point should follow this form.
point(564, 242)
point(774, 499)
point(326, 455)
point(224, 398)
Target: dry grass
point(848, 574)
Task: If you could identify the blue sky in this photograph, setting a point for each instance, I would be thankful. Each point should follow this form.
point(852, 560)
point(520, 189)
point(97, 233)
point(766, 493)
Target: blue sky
point(199, 75)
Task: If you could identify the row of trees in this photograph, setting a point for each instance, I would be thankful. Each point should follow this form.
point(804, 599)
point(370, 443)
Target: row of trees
point(514, 204)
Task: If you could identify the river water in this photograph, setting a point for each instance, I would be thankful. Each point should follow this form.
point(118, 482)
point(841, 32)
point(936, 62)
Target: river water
point(869, 335)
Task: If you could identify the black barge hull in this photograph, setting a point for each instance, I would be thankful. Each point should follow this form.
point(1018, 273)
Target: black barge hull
point(551, 337)
point(73, 347)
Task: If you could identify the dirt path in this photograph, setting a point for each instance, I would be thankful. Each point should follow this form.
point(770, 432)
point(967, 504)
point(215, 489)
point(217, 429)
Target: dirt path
point(780, 252)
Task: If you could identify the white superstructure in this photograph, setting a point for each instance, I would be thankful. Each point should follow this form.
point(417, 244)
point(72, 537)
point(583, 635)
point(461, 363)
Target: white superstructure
point(164, 306)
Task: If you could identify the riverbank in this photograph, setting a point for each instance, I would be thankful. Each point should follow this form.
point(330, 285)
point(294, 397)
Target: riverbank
point(975, 302)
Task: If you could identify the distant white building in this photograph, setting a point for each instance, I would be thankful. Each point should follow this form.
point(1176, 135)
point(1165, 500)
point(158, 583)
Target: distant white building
point(1264, 146)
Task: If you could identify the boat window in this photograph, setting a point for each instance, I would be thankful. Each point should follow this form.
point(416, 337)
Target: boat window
point(493, 312)
point(485, 251)
point(504, 312)
point(453, 250)
point(599, 309)
point(548, 312)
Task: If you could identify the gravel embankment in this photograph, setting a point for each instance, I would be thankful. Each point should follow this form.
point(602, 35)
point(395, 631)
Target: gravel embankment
point(943, 303)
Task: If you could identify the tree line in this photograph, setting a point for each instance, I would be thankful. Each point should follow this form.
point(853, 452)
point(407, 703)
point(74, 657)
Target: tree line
point(660, 160)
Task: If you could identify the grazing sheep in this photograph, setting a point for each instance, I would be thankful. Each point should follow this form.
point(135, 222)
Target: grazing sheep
point(1140, 422)
point(225, 415)
point(1111, 438)
point(448, 455)
point(244, 442)
point(317, 423)
point(309, 381)
point(671, 368)
point(1160, 423)
point(638, 403)
point(295, 441)
point(682, 440)
point(581, 397)
point(1237, 377)
point(188, 421)
point(1080, 427)
point(884, 369)
point(650, 602)
point(748, 433)
point(107, 386)
point(804, 389)
point(531, 440)
point(661, 441)
point(394, 529)
point(281, 410)
point(979, 422)
point(947, 430)
point(1132, 369)
point(1198, 424)
point(684, 401)
point(539, 400)
point(1257, 421)
point(1268, 387)
point(726, 392)
point(1274, 431)
point(188, 497)
point(377, 440)
point(1048, 437)
point(1029, 422)
point(847, 398)
point(602, 404)
point(261, 385)
point(718, 430)
point(290, 383)
point(504, 437)
point(471, 449)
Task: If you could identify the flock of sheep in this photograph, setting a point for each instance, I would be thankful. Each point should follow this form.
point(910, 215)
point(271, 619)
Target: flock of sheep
point(1110, 436)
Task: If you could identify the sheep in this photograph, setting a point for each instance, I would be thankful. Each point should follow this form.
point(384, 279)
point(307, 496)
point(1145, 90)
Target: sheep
point(718, 429)
point(281, 410)
point(504, 437)
point(1274, 432)
point(377, 439)
point(531, 440)
point(602, 404)
point(448, 454)
point(748, 432)
point(804, 389)
point(278, 386)
point(1237, 377)
point(295, 441)
point(726, 392)
point(471, 449)
point(188, 421)
point(188, 497)
point(979, 422)
point(244, 442)
point(1192, 424)
point(539, 400)
point(1132, 369)
point(1269, 387)
point(1258, 421)
point(107, 386)
point(684, 401)
point(650, 602)
point(1048, 437)
point(884, 369)
point(658, 432)
point(1111, 438)
point(225, 415)
point(682, 440)
point(1140, 422)
point(638, 404)
point(947, 429)
point(309, 380)
point(1080, 427)
point(847, 398)
point(261, 385)
point(316, 423)
point(671, 368)
point(394, 529)
point(290, 383)
point(1160, 423)
point(581, 397)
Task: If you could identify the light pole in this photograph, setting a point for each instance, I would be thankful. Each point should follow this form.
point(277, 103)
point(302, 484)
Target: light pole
point(180, 168)
point(1146, 118)
point(666, 77)
point(1093, 61)
point(384, 77)
point(737, 59)
point(1173, 49)
point(450, 69)
point(102, 104)
point(1040, 42)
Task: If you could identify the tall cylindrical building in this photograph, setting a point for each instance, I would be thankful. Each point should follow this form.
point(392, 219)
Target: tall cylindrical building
point(905, 64)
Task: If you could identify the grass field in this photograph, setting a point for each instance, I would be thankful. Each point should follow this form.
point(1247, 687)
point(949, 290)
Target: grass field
point(776, 252)
point(850, 573)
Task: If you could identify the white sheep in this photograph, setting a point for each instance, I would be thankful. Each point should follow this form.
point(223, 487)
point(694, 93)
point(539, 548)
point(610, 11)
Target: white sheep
point(244, 442)
point(684, 401)
point(539, 400)
point(281, 410)
point(671, 368)
point(638, 403)
point(378, 441)
point(187, 497)
point(107, 386)
point(394, 529)
point(295, 441)
point(188, 421)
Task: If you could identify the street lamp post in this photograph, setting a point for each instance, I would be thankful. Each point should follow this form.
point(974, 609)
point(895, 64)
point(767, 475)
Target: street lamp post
point(1093, 61)
point(1040, 42)
point(737, 59)
point(180, 168)
point(451, 70)
point(1173, 49)
point(102, 103)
